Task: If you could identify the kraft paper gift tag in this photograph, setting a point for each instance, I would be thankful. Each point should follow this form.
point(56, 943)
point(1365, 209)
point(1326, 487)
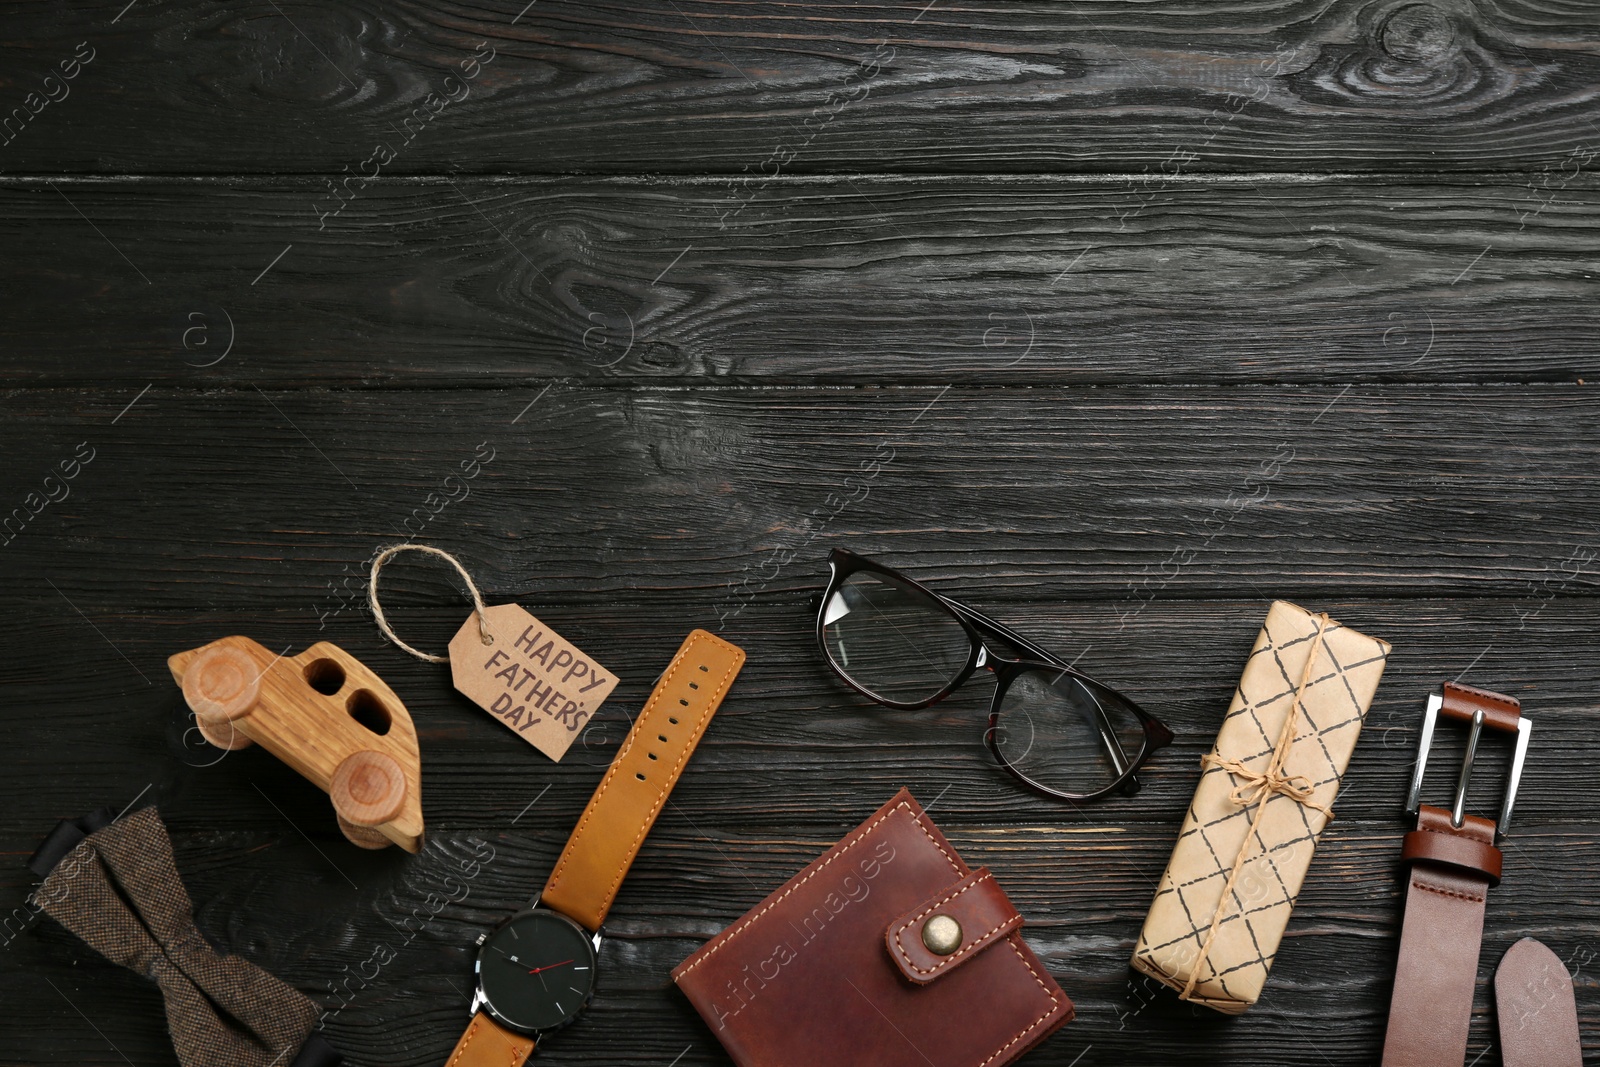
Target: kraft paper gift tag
point(542, 686)
point(539, 684)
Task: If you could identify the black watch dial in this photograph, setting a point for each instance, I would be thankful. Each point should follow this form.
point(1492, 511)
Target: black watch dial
point(536, 971)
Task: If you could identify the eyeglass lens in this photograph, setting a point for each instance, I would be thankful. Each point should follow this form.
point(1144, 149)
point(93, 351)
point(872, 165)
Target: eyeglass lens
point(896, 642)
point(1065, 734)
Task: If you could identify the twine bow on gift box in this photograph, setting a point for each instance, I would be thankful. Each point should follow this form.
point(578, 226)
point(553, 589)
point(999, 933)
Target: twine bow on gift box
point(1258, 787)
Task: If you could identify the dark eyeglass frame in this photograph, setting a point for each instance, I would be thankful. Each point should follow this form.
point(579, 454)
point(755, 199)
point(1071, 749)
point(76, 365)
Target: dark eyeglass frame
point(843, 563)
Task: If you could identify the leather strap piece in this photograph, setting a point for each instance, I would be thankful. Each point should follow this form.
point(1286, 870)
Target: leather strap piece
point(1538, 1015)
point(488, 1044)
point(1499, 712)
point(980, 908)
point(1451, 872)
point(631, 795)
point(1464, 854)
point(316, 1052)
point(66, 836)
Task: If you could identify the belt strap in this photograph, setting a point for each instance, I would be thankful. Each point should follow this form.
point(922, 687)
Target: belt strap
point(1438, 969)
point(1452, 869)
point(1538, 1015)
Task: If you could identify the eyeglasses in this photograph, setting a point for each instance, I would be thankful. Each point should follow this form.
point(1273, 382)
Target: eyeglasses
point(1057, 730)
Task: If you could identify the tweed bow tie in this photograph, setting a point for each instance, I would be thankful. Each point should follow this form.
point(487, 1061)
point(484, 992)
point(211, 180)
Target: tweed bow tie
point(118, 889)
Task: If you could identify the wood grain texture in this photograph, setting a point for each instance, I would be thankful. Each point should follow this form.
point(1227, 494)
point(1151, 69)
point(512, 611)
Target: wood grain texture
point(405, 1012)
point(862, 281)
point(1118, 495)
point(767, 762)
point(1116, 319)
point(791, 762)
point(736, 87)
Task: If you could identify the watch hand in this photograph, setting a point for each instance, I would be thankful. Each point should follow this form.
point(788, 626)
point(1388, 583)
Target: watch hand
point(548, 966)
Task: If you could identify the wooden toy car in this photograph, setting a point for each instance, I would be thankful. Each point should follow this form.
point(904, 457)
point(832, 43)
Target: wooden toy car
point(324, 714)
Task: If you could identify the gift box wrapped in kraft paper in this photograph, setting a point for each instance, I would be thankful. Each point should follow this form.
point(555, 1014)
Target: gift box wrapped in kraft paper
point(1266, 792)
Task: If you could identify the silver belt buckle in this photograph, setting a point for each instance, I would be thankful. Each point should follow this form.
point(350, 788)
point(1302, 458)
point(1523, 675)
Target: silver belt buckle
point(1430, 718)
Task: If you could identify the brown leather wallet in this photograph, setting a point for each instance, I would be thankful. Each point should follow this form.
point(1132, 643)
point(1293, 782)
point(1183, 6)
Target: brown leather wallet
point(1453, 863)
point(887, 950)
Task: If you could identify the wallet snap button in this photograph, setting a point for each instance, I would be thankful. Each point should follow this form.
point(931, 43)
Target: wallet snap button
point(941, 934)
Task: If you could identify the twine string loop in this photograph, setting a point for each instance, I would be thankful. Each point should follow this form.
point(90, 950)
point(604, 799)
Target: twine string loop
point(377, 609)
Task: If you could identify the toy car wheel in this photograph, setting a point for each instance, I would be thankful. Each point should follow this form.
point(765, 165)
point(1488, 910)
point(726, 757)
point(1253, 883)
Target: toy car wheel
point(225, 735)
point(368, 788)
point(222, 684)
point(362, 836)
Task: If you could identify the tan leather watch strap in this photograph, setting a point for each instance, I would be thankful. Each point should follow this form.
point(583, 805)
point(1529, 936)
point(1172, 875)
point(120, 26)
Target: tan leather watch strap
point(488, 1044)
point(1537, 1011)
point(636, 786)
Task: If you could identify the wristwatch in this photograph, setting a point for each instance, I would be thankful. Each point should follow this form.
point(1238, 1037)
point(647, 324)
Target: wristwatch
point(1453, 861)
point(536, 971)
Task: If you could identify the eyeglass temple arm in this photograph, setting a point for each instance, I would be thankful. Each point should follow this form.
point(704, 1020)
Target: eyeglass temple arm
point(1003, 631)
point(1108, 736)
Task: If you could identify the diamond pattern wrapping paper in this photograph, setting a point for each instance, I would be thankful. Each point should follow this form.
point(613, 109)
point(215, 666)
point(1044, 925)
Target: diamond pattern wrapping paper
point(1224, 901)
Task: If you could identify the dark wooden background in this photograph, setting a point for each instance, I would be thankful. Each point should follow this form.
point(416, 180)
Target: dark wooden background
point(1165, 309)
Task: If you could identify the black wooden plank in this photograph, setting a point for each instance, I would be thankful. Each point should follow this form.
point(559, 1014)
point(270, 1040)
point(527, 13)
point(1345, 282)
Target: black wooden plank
point(274, 499)
point(795, 750)
point(1140, 368)
point(863, 281)
point(260, 894)
point(739, 87)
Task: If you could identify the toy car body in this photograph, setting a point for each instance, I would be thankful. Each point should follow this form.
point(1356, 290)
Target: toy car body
point(322, 713)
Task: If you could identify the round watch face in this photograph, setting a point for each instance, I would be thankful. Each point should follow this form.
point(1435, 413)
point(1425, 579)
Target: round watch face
point(536, 971)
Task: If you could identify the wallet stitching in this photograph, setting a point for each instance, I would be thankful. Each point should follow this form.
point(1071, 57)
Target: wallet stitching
point(1055, 1003)
point(713, 700)
point(982, 941)
point(838, 850)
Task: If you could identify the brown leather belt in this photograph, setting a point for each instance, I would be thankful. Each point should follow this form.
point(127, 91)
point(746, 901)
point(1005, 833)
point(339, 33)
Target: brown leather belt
point(1454, 862)
point(1538, 1014)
